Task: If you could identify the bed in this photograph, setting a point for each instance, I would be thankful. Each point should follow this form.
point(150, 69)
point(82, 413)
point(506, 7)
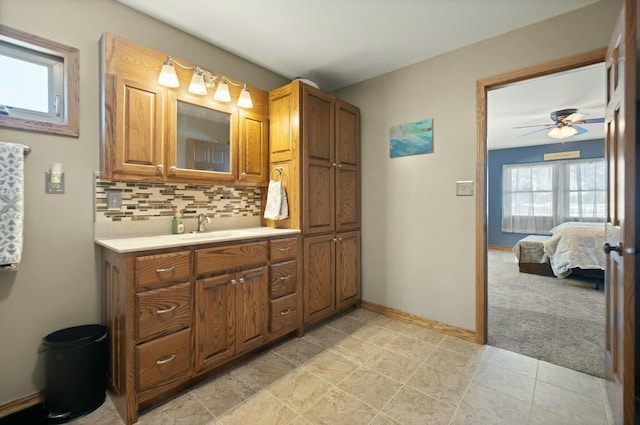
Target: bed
point(572, 248)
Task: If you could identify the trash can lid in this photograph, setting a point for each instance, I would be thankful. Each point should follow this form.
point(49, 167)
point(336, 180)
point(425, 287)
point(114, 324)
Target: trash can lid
point(73, 336)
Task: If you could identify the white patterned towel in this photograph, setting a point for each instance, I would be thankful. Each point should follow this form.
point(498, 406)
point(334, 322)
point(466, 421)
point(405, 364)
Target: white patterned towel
point(277, 207)
point(11, 204)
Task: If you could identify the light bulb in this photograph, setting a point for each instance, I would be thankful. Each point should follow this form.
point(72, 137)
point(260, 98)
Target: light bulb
point(197, 83)
point(168, 77)
point(222, 92)
point(244, 101)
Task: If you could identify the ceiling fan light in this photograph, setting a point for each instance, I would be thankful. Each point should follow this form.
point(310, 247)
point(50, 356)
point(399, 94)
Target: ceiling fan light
point(222, 92)
point(562, 132)
point(168, 76)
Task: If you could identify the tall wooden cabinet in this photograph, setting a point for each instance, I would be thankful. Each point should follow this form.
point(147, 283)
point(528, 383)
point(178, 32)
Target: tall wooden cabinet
point(315, 141)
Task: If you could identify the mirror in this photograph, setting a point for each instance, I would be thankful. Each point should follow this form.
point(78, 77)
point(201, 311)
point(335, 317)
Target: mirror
point(203, 138)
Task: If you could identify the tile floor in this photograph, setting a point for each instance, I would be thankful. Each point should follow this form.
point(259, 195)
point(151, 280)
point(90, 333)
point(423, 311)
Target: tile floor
point(364, 368)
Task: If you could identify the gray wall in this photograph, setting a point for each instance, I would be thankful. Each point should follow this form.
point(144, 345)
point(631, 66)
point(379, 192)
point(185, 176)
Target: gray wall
point(58, 284)
point(418, 238)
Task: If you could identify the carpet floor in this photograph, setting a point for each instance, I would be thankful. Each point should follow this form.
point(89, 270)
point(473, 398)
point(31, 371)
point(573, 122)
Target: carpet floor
point(560, 321)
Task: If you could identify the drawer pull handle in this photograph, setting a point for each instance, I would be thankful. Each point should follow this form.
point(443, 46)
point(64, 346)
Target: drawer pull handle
point(285, 311)
point(168, 269)
point(167, 360)
point(287, 277)
point(285, 249)
point(167, 310)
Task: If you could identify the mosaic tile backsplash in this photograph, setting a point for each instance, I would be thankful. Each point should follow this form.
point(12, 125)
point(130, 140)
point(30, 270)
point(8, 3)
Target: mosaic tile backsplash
point(142, 201)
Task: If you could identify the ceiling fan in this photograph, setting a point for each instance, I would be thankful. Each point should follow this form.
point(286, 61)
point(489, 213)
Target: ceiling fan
point(564, 124)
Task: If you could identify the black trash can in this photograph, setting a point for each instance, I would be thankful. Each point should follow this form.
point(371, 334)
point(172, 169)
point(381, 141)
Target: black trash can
point(75, 371)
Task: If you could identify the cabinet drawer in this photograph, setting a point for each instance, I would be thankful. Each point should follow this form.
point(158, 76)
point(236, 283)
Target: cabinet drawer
point(283, 249)
point(163, 311)
point(283, 313)
point(230, 257)
point(155, 271)
point(164, 360)
point(284, 279)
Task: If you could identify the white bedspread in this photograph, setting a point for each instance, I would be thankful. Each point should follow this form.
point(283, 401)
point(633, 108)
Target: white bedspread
point(575, 244)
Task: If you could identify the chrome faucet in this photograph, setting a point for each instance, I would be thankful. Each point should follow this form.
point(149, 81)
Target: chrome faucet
point(202, 221)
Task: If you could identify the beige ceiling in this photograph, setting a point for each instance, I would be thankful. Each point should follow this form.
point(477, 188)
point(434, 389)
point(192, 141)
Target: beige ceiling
point(336, 43)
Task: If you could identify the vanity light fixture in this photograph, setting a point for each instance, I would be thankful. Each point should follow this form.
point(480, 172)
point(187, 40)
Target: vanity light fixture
point(200, 80)
point(562, 132)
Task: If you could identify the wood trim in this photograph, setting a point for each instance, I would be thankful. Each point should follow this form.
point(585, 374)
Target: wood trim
point(21, 404)
point(420, 321)
point(500, 248)
point(482, 87)
point(70, 58)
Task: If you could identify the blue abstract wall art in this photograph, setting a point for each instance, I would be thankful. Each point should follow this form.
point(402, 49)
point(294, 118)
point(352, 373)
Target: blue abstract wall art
point(414, 138)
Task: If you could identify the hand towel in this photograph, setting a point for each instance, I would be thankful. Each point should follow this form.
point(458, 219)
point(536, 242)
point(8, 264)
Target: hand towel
point(11, 204)
point(277, 207)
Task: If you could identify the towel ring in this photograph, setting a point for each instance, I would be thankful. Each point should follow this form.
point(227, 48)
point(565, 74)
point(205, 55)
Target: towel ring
point(278, 169)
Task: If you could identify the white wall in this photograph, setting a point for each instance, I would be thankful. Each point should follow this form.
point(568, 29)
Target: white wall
point(418, 238)
point(58, 284)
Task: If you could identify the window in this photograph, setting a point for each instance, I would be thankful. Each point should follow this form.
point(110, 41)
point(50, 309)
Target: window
point(537, 197)
point(38, 84)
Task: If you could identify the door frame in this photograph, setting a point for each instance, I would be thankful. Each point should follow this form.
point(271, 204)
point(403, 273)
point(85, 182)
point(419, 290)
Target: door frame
point(482, 88)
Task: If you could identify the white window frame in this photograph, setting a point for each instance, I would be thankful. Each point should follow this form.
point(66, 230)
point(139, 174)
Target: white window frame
point(63, 85)
point(560, 198)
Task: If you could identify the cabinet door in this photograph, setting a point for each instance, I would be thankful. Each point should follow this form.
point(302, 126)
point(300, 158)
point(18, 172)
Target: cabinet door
point(318, 195)
point(348, 167)
point(214, 321)
point(201, 139)
point(252, 300)
point(253, 161)
point(319, 277)
point(283, 128)
point(135, 150)
point(347, 268)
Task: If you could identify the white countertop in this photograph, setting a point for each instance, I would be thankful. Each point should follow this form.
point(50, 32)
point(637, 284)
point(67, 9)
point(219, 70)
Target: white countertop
point(143, 243)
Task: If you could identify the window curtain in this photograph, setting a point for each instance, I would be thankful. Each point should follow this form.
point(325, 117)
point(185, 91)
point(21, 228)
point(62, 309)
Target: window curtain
point(538, 196)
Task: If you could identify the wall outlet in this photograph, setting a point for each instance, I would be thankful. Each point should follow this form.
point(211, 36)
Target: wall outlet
point(114, 200)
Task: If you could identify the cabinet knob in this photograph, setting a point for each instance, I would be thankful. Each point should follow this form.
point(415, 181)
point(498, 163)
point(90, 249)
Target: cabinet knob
point(241, 280)
point(334, 164)
point(160, 167)
point(339, 165)
point(244, 174)
point(173, 169)
point(233, 281)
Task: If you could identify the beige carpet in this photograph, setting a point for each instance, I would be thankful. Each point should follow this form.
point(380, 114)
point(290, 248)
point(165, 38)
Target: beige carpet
point(561, 321)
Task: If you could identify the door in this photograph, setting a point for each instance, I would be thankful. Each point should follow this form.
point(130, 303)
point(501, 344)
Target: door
point(347, 152)
point(252, 299)
point(214, 321)
point(347, 268)
point(621, 142)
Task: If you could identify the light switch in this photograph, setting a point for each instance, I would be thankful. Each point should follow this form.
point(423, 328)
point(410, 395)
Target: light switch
point(114, 200)
point(464, 188)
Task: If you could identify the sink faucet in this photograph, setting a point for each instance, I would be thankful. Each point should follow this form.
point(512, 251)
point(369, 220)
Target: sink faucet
point(202, 221)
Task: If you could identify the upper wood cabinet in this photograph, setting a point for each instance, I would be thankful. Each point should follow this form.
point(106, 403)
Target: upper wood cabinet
point(150, 132)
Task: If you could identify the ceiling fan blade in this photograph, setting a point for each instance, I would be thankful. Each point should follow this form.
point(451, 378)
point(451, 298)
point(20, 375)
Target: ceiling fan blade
point(590, 121)
point(581, 130)
point(574, 117)
point(533, 132)
point(536, 125)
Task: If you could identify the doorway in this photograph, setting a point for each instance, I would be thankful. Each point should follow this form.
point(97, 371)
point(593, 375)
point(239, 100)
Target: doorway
point(530, 311)
point(483, 88)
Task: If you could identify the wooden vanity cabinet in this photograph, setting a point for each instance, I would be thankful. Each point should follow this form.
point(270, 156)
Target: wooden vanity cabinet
point(140, 122)
point(175, 314)
point(231, 302)
point(315, 140)
point(148, 310)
